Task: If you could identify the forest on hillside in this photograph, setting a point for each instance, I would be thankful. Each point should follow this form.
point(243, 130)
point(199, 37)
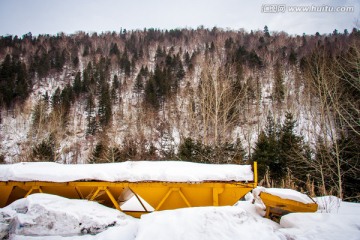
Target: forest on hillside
point(291, 103)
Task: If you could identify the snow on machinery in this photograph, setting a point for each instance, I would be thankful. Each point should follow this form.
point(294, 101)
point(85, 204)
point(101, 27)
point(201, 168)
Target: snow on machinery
point(156, 185)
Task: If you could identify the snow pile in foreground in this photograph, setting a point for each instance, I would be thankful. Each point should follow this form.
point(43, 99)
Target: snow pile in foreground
point(45, 214)
point(64, 217)
point(169, 171)
point(210, 223)
point(321, 226)
point(47, 217)
point(334, 219)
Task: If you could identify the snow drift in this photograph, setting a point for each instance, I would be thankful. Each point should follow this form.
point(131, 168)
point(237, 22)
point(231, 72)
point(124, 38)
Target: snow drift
point(47, 217)
point(44, 214)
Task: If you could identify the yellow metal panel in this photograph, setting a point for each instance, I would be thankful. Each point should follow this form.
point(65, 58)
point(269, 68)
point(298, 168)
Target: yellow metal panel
point(216, 192)
point(173, 201)
point(61, 190)
point(81, 196)
point(17, 193)
point(163, 199)
point(5, 194)
point(231, 195)
point(151, 194)
point(278, 206)
point(199, 196)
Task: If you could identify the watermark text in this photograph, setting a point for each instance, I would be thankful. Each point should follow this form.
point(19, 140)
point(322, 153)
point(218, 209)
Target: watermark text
point(282, 8)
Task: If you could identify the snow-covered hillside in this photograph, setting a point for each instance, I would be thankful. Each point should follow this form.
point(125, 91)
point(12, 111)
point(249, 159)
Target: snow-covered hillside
point(182, 112)
point(164, 131)
point(42, 216)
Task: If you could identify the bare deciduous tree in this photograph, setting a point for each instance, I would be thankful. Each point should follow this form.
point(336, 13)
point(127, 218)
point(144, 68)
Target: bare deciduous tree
point(220, 103)
point(337, 116)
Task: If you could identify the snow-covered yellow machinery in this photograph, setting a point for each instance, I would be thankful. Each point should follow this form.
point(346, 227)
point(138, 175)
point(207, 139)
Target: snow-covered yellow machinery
point(276, 206)
point(153, 186)
point(162, 185)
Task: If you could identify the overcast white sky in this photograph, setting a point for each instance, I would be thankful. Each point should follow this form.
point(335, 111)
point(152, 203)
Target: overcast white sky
point(18, 17)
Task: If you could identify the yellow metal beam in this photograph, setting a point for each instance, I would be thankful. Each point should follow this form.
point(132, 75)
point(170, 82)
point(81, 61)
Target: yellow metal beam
point(79, 193)
point(116, 204)
point(164, 199)
point(95, 194)
point(255, 174)
point(32, 189)
point(184, 198)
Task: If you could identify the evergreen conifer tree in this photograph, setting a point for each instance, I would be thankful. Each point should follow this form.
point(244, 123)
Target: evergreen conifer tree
point(279, 91)
point(90, 112)
point(266, 31)
point(105, 106)
point(115, 88)
point(278, 148)
point(77, 84)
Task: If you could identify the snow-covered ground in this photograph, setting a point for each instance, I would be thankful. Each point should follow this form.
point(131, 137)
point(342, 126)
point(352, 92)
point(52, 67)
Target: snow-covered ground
point(43, 216)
